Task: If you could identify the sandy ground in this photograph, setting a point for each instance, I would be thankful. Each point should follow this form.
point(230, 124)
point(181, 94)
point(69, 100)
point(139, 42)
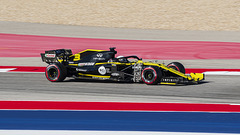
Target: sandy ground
point(210, 15)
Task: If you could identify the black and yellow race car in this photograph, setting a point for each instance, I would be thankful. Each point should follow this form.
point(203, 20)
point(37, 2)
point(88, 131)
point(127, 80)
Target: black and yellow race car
point(103, 65)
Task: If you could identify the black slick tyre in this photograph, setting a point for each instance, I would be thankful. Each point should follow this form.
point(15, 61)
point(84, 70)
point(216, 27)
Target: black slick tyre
point(151, 75)
point(56, 72)
point(177, 66)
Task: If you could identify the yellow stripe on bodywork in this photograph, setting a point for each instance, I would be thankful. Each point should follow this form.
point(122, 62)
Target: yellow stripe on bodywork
point(73, 65)
point(168, 83)
point(168, 69)
point(116, 63)
point(99, 76)
point(93, 50)
point(175, 72)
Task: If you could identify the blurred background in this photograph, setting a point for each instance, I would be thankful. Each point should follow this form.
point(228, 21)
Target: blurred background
point(207, 15)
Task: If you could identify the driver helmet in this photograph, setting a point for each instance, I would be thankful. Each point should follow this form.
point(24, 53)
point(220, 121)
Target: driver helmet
point(121, 59)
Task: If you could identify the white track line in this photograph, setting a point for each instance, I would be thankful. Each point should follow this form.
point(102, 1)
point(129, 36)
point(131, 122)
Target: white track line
point(221, 73)
point(27, 72)
point(11, 70)
point(6, 69)
point(87, 132)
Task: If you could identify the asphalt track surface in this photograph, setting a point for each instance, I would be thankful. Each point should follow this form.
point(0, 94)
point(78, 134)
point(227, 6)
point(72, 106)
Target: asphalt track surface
point(34, 86)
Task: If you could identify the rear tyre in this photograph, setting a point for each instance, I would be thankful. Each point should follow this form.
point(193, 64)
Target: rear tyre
point(177, 66)
point(151, 75)
point(56, 72)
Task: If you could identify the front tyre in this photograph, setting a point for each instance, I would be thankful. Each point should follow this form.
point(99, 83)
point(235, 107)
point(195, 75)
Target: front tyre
point(56, 72)
point(177, 66)
point(151, 76)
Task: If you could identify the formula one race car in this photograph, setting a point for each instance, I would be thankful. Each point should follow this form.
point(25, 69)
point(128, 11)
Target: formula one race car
point(103, 65)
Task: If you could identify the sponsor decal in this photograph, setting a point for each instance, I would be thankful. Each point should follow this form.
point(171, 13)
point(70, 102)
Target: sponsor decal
point(81, 70)
point(102, 70)
point(99, 58)
point(115, 74)
point(50, 55)
point(102, 78)
point(169, 80)
point(108, 70)
point(81, 64)
point(86, 64)
point(99, 55)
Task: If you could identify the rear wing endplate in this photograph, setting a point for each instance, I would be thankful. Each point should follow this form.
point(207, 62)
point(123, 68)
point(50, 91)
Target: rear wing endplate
point(52, 56)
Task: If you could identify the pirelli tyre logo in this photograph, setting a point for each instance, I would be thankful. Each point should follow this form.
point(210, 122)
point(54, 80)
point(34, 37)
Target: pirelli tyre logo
point(50, 55)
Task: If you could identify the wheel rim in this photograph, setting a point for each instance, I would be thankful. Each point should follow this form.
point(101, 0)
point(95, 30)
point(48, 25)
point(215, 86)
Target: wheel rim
point(149, 76)
point(52, 73)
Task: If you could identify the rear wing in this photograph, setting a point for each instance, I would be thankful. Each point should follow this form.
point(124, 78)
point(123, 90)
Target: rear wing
point(52, 56)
